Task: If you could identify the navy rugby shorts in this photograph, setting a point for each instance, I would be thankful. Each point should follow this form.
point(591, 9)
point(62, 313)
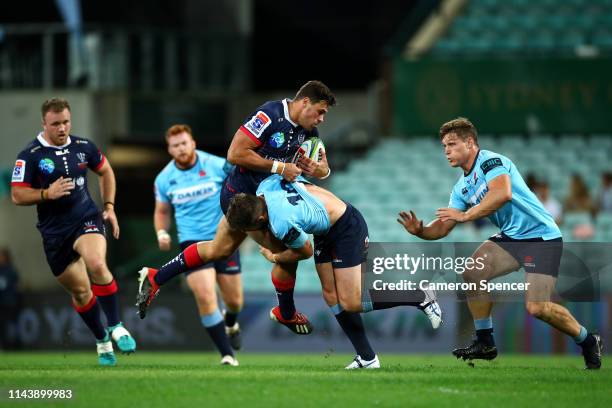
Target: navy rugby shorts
point(228, 266)
point(346, 243)
point(535, 255)
point(59, 248)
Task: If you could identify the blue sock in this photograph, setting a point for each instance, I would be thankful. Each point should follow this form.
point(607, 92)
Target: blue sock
point(216, 330)
point(352, 325)
point(581, 336)
point(484, 330)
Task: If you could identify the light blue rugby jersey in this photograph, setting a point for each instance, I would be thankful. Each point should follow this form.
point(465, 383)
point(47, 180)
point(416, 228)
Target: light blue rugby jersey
point(194, 194)
point(523, 217)
point(293, 211)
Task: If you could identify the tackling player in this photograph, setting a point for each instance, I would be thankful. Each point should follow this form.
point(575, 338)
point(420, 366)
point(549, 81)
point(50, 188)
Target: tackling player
point(291, 211)
point(51, 173)
point(492, 187)
point(190, 185)
point(264, 144)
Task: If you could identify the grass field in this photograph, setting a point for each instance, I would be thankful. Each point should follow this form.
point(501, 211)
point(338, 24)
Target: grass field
point(266, 380)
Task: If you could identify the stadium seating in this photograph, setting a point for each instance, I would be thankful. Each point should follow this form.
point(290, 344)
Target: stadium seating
point(502, 27)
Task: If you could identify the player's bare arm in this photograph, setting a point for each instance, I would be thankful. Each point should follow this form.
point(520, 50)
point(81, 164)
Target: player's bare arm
point(436, 229)
point(29, 196)
point(289, 255)
point(108, 187)
point(242, 153)
point(500, 192)
point(162, 220)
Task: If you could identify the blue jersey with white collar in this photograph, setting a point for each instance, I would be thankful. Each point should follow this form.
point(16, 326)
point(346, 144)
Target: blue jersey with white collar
point(523, 217)
point(194, 194)
point(293, 211)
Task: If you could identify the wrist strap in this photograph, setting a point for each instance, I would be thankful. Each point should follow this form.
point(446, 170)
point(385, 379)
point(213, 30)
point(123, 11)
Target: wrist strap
point(109, 202)
point(162, 233)
point(274, 166)
point(327, 175)
point(42, 194)
point(283, 170)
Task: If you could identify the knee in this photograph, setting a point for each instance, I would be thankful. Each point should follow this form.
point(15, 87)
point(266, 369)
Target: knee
point(329, 295)
point(205, 298)
point(473, 275)
point(234, 303)
point(537, 309)
point(97, 267)
point(350, 305)
point(81, 293)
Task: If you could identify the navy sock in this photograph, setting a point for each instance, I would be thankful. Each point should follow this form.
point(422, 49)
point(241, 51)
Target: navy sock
point(230, 318)
point(90, 313)
point(186, 260)
point(216, 330)
point(108, 299)
point(385, 299)
point(284, 294)
point(589, 341)
point(352, 325)
point(484, 331)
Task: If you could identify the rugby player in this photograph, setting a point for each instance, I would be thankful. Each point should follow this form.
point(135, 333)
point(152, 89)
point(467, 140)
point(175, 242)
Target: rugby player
point(491, 186)
point(291, 211)
point(190, 186)
point(51, 173)
point(266, 143)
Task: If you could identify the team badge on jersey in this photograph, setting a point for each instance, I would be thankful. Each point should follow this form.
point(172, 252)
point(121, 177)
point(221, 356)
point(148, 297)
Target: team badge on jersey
point(46, 166)
point(19, 171)
point(258, 123)
point(277, 139)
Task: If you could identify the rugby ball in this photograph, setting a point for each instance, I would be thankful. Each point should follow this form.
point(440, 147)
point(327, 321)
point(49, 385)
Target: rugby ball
point(312, 148)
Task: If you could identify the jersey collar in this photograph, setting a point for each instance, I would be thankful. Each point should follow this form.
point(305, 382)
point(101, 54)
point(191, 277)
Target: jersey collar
point(43, 142)
point(286, 111)
point(188, 168)
point(473, 164)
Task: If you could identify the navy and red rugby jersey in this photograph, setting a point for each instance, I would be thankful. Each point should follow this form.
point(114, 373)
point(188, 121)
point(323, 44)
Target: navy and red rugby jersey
point(41, 163)
point(277, 138)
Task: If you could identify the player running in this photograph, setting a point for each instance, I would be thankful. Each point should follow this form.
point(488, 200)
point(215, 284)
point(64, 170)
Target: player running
point(51, 173)
point(492, 187)
point(264, 144)
point(190, 185)
point(291, 211)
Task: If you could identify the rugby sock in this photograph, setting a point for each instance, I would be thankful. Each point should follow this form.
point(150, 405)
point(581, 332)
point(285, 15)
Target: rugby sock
point(352, 325)
point(107, 296)
point(186, 260)
point(385, 299)
point(484, 330)
point(284, 293)
point(90, 313)
point(230, 317)
point(584, 338)
point(216, 330)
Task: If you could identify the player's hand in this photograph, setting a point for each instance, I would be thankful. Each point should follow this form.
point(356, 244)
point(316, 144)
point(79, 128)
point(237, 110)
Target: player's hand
point(109, 216)
point(164, 240)
point(410, 222)
point(313, 168)
point(291, 171)
point(269, 255)
point(59, 188)
point(446, 214)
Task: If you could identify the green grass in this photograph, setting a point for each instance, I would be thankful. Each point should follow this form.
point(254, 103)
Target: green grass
point(271, 380)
